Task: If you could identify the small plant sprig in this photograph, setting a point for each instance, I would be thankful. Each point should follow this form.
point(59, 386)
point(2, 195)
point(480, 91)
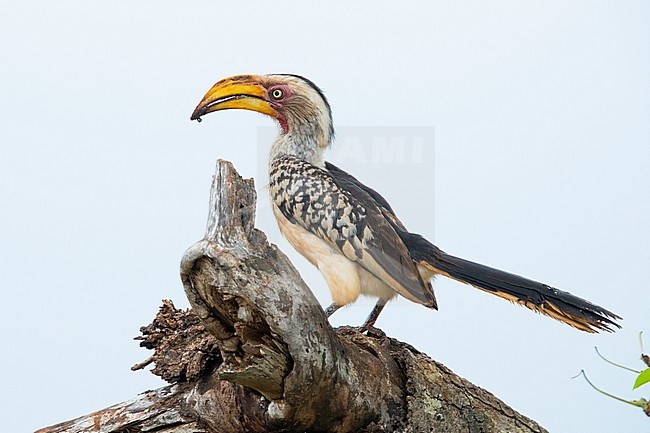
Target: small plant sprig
point(642, 378)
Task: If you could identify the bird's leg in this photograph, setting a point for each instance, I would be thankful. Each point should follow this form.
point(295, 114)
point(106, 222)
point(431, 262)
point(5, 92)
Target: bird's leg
point(331, 309)
point(372, 318)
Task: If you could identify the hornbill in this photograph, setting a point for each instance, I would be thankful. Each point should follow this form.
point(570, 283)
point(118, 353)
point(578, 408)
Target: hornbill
point(348, 230)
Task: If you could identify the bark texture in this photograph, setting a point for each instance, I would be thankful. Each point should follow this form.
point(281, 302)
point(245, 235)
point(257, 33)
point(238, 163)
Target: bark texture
point(256, 353)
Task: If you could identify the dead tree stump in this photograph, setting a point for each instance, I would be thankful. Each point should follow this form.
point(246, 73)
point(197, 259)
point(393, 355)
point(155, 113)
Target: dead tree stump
point(257, 354)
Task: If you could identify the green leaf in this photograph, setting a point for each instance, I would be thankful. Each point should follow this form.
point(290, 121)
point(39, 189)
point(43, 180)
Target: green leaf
point(642, 378)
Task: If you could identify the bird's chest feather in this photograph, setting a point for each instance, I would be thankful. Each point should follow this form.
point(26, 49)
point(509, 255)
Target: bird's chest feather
point(307, 244)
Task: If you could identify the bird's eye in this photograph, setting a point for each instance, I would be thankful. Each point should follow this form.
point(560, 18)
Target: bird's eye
point(277, 94)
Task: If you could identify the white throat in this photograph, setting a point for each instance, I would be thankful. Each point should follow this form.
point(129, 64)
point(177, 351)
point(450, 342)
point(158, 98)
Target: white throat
point(298, 145)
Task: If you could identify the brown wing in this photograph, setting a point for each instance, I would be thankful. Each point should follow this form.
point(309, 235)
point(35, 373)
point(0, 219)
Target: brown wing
point(349, 220)
point(342, 177)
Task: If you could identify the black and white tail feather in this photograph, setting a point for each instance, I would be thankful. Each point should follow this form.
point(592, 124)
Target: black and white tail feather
point(539, 297)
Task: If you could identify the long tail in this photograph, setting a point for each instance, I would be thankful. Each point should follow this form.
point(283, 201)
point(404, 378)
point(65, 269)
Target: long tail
point(541, 298)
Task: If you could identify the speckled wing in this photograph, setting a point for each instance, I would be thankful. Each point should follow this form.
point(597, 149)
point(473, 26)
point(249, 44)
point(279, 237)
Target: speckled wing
point(349, 220)
point(351, 183)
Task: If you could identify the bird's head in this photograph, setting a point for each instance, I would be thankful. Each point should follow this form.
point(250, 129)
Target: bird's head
point(296, 103)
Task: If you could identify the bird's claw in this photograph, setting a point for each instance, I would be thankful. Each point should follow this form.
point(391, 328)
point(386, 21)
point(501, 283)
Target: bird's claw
point(370, 330)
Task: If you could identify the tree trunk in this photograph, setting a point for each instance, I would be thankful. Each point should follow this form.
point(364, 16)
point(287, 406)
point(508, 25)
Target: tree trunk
point(257, 354)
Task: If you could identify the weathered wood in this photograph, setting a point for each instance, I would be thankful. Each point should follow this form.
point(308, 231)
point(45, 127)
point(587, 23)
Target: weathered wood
point(157, 411)
point(272, 332)
point(256, 353)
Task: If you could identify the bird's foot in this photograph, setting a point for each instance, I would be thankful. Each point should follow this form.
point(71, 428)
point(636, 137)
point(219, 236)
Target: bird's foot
point(371, 331)
point(331, 310)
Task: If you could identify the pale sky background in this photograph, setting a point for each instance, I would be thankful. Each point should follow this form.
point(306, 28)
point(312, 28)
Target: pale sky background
point(541, 113)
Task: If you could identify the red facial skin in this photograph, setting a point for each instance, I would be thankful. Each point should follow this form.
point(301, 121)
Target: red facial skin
point(277, 104)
